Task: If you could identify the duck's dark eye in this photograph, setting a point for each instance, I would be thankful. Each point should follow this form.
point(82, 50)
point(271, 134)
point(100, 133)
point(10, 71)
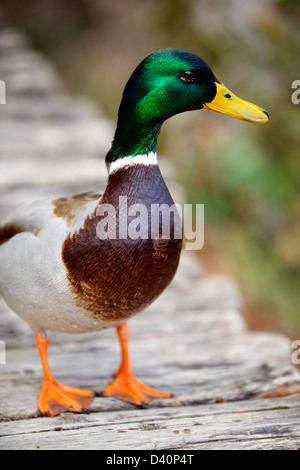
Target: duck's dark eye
point(188, 76)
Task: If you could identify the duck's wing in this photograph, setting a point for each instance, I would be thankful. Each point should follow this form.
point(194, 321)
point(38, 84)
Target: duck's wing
point(34, 216)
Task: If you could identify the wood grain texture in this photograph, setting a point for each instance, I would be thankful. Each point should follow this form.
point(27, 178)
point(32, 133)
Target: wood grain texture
point(192, 341)
point(238, 426)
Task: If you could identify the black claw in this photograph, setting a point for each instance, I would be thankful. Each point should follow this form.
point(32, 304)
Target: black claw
point(85, 410)
point(144, 405)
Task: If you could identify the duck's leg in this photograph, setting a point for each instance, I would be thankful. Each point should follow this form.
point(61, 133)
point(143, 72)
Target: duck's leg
point(127, 387)
point(55, 397)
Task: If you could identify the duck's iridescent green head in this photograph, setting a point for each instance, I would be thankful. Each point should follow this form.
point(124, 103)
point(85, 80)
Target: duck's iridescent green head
point(166, 83)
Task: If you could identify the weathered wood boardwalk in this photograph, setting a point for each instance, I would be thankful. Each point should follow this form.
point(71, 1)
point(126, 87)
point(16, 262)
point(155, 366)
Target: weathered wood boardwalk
point(192, 341)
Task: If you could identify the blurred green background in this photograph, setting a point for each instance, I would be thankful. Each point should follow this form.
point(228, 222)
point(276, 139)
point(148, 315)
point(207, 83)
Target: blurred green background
point(247, 175)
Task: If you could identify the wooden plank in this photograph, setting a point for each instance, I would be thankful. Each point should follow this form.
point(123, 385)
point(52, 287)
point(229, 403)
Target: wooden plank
point(242, 425)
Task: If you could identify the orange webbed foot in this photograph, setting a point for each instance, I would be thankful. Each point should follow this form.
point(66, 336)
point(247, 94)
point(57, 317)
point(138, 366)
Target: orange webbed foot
point(55, 398)
point(128, 388)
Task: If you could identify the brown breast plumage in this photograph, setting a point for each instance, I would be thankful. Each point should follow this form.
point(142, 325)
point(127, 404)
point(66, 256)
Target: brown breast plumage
point(115, 278)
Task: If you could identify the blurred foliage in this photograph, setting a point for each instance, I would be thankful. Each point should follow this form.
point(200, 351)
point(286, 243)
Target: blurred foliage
point(247, 175)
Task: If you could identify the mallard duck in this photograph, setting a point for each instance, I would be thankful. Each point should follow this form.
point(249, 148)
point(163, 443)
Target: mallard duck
point(59, 274)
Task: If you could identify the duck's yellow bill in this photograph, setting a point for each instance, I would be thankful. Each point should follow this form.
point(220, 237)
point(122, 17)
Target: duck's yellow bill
point(226, 102)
